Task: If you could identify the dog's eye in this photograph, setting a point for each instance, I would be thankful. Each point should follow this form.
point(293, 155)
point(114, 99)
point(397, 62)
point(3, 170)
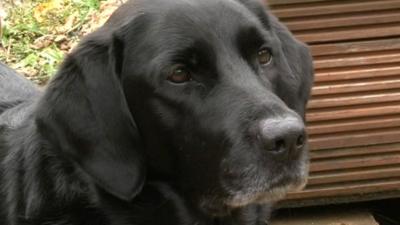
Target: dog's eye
point(264, 56)
point(179, 74)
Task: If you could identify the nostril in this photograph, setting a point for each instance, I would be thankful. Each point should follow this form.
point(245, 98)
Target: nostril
point(300, 142)
point(277, 146)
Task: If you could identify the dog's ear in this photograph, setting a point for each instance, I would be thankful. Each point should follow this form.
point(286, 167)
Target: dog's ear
point(84, 114)
point(300, 63)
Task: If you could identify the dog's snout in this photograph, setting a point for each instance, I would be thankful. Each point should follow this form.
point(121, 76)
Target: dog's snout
point(280, 135)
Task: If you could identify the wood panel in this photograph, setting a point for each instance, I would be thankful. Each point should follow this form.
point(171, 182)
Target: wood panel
point(340, 164)
point(363, 174)
point(345, 20)
point(346, 112)
point(357, 72)
point(332, 8)
point(359, 85)
point(354, 124)
point(345, 189)
point(353, 117)
point(357, 151)
point(355, 99)
point(355, 138)
point(355, 47)
point(350, 33)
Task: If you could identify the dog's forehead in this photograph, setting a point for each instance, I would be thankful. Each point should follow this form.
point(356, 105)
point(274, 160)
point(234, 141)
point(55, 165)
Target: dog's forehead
point(217, 16)
point(216, 22)
point(213, 13)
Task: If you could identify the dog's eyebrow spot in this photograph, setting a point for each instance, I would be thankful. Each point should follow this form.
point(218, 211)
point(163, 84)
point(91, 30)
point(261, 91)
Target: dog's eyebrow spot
point(197, 53)
point(250, 32)
point(249, 40)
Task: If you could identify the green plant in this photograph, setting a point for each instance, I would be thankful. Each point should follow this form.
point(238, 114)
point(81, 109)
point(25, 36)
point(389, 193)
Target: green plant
point(38, 33)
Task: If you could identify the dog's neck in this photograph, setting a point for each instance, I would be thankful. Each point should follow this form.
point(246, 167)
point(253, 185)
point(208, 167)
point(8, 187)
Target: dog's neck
point(41, 183)
point(37, 182)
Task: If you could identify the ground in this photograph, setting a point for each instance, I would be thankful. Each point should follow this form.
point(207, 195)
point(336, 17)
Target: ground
point(35, 35)
point(336, 217)
point(378, 212)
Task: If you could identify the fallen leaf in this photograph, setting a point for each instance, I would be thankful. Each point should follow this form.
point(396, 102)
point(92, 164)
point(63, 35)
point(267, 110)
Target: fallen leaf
point(60, 38)
point(41, 10)
point(42, 42)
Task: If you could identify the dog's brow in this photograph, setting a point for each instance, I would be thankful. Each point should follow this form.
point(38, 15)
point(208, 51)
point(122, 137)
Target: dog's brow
point(250, 38)
point(195, 49)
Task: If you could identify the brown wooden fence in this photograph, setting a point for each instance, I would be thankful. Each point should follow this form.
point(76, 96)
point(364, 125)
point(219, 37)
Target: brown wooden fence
point(353, 117)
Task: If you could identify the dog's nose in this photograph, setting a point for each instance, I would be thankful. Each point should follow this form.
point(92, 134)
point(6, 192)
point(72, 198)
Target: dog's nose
point(286, 134)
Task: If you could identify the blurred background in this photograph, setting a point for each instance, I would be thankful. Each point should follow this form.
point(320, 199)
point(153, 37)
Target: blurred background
point(353, 118)
point(36, 34)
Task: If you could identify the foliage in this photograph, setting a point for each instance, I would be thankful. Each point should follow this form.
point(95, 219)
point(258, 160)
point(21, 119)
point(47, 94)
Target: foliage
point(36, 34)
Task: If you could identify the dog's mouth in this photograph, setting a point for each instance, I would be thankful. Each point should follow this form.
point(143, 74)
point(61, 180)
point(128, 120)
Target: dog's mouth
point(262, 193)
point(268, 186)
point(271, 194)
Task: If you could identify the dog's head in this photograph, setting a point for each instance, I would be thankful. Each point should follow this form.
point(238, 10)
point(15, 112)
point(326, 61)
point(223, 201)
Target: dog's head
point(207, 95)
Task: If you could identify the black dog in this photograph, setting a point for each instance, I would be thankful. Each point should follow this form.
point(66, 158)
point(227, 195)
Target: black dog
point(174, 112)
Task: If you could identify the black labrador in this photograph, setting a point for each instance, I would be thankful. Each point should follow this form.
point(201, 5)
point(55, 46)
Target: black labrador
point(175, 112)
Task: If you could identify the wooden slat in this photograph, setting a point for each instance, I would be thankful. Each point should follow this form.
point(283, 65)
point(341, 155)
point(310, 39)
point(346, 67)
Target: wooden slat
point(353, 118)
point(351, 175)
point(355, 47)
point(335, 164)
point(354, 151)
point(357, 59)
point(350, 189)
point(351, 73)
point(356, 86)
point(362, 98)
point(335, 8)
point(353, 112)
point(286, 2)
point(353, 33)
point(354, 125)
point(344, 20)
point(359, 138)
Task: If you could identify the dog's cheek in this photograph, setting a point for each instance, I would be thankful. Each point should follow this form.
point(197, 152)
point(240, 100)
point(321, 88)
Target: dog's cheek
point(249, 215)
point(240, 172)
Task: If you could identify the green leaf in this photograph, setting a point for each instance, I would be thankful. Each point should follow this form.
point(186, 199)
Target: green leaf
point(29, 60)
point(53, 55)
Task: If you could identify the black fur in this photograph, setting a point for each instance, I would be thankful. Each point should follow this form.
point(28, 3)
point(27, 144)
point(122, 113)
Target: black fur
point(111, 141)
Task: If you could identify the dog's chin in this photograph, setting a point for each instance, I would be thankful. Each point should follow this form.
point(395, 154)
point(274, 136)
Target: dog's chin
point(267, 195)
point(272, 191)
point(270, 195)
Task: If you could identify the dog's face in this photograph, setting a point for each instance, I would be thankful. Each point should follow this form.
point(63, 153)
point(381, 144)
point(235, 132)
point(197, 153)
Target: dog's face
point(208, 96)
point(218, 90)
